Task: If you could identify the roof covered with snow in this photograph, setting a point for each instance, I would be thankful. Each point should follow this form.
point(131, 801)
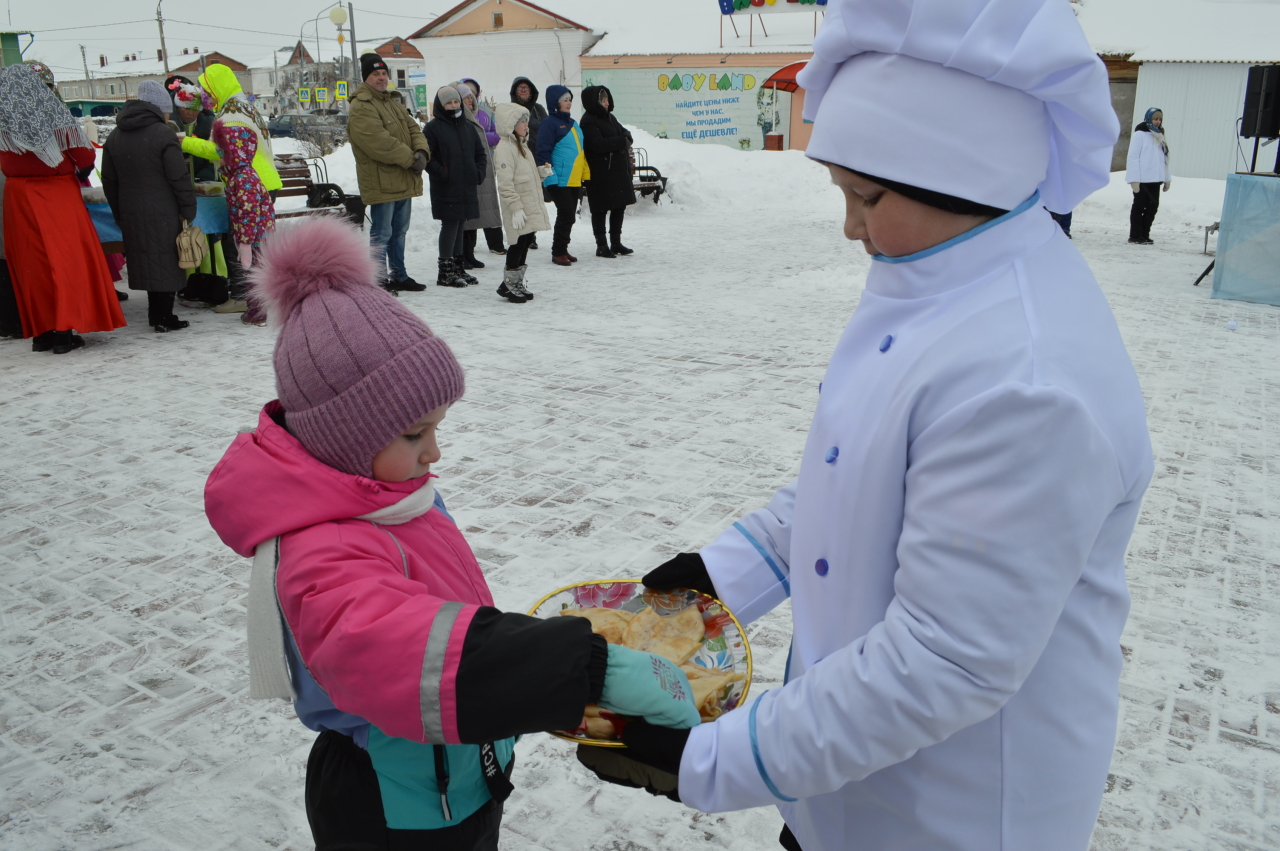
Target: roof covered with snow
point(1184, 30)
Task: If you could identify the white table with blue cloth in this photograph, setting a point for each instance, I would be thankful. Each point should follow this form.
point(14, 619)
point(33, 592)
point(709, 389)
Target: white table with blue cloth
point(211, 217)
point(1247, 267)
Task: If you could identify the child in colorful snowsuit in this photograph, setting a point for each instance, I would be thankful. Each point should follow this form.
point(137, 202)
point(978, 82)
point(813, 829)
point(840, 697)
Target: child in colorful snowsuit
point(252, 213)
point(366, 606)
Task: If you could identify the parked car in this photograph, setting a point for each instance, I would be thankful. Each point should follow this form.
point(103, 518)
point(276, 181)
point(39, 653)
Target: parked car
point(294, 125)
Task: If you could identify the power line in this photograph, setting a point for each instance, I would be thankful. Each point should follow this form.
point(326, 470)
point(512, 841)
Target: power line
point(237, 29)
point(432, 16)
point(88, 27)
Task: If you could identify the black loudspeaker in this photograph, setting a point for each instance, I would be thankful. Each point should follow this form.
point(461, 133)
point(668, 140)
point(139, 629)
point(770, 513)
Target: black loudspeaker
point(1262, 103)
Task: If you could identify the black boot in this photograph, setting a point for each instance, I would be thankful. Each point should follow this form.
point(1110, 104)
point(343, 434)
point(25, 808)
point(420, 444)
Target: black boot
point(461, 269)
point(602, 247)
point(468, 258)
point(448, 275)
point(616, 245)
point(66, 341)
point(408, 285)
point(44, 342)
point(160, 313)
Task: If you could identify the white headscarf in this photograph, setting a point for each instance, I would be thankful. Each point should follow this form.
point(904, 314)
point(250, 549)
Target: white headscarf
point(1023, 102)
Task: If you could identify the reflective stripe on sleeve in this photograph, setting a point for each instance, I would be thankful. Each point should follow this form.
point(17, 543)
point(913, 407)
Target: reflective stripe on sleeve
point(433, 661)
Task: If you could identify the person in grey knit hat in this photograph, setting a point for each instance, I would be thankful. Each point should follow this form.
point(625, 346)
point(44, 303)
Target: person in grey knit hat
point(149, 91)
point(147, 184)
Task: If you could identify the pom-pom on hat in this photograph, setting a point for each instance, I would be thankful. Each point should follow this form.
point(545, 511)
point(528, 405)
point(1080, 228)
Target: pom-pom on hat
point(354, 367)
point(986, 100)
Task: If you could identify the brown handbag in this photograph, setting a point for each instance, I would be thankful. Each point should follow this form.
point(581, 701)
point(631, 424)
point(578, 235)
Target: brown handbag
point(192, 246)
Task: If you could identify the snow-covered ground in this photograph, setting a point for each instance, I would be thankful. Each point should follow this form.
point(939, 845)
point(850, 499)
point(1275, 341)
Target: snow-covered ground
point(632, 411)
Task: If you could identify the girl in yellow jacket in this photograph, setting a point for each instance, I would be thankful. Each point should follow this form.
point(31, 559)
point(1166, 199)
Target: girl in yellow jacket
point(233, 108)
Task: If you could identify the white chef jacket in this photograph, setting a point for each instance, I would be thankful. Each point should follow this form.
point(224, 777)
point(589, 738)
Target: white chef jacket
point(1147, 162)
point(954, 552)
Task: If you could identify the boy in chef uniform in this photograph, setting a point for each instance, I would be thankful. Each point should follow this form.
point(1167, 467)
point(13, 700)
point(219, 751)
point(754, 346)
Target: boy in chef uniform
point(954, 545)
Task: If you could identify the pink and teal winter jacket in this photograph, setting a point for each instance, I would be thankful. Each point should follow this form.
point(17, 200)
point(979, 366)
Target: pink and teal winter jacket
point(393, 637)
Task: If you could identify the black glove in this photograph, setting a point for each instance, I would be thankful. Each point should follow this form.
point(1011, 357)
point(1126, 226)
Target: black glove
point(419, 162)
point(686, 570)
point(650, 761)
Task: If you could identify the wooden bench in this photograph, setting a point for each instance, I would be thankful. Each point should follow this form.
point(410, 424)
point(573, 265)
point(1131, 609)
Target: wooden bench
point(298, 173)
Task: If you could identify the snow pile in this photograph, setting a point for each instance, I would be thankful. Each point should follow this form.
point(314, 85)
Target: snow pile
point(1191, 201)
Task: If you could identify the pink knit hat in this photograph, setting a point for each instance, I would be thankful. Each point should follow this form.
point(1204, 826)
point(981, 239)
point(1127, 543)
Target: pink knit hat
point(354, 367)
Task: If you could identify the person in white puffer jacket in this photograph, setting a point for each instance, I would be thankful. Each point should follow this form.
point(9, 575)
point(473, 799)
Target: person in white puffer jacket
point(1147, 169)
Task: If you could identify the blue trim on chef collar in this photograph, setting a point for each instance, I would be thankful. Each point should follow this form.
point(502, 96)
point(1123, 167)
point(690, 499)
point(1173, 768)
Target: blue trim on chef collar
point(969, 234)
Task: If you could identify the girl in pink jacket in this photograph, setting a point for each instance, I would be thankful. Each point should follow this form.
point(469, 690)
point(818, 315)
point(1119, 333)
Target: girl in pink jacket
point(366, 606)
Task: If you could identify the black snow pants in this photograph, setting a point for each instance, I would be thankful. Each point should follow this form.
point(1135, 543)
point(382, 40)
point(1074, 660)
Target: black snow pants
point(566, 200)
point(1143, 212)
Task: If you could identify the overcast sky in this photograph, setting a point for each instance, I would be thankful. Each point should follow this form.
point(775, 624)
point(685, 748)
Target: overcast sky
point(247, 30)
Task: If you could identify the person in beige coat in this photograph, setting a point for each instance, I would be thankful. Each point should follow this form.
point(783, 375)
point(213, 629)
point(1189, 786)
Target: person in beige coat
point(391, 154)
point(519, 195)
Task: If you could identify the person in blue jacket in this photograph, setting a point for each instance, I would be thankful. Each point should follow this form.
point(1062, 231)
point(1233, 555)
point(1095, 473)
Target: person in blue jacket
point(560, 155)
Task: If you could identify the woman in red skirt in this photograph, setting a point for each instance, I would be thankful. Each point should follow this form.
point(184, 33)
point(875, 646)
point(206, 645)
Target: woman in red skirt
point(61, 279)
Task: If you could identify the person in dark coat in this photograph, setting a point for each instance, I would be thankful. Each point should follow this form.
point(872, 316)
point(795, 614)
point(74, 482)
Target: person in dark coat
point(149, 189)
point(525, 93)
point(458, 164)
point(608, 146)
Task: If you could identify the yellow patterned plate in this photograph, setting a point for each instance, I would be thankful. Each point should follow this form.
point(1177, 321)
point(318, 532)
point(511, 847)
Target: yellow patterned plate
point(724, 648)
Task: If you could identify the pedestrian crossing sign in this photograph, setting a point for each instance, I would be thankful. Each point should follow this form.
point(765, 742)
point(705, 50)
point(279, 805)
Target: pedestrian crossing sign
point(322, 95)
point(304, 95)
point(340, 92)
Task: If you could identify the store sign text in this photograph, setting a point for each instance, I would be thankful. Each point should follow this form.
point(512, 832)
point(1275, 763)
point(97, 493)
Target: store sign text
point(695, 82)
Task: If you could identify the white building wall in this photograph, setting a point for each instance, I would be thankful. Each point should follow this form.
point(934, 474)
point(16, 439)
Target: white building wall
point(495, 59)
point(1202, 102)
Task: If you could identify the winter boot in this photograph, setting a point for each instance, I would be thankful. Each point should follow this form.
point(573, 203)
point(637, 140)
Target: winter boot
point(510, 286)
point(408, 285)
point(66, 342)
point(447, 276)
point(460, 269)
point(561, 260)
point(602, 247)
point(160, 313)
point(519, 284)
point(616, 245)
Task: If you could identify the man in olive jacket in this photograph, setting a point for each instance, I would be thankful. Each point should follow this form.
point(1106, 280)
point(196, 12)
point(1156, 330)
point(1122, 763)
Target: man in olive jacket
point(391, 154)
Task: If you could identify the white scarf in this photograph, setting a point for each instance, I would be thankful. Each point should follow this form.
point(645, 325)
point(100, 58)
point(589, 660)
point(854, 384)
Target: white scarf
point(268, 661)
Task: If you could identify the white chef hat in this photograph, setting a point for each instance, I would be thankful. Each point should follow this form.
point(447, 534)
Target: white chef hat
point(985, 100)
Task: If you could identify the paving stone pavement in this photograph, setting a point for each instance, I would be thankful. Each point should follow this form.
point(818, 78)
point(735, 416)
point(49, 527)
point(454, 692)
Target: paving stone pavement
point(632, 411)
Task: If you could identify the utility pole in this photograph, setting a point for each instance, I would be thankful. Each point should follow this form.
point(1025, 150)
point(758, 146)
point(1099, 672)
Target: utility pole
point(164, 51)
point(87, 79)
point(355, 58)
